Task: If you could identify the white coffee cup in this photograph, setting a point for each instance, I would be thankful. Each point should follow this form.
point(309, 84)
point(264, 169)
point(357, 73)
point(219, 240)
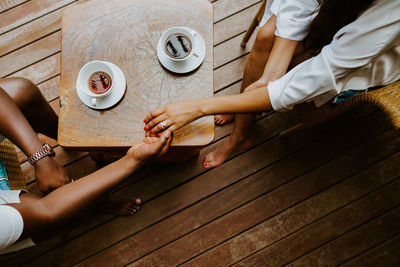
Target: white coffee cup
point(85, 74)
point(179, 31)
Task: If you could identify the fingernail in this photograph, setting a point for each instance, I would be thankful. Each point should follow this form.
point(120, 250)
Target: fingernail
point(167, 134)
point(204, 164)
point(150, 132)
point(145, 128)
point(158, 135)
point(144, 121)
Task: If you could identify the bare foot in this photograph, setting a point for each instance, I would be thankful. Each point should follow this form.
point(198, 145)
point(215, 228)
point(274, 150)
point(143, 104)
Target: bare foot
point(223, 119)
point(217, 157)
point(117, 205)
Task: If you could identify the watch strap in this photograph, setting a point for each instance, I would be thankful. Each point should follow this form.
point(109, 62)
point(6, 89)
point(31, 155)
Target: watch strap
point(46, 150)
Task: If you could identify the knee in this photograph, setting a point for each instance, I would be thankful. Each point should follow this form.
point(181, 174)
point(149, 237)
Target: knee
point(25, 93)
point(265, 38)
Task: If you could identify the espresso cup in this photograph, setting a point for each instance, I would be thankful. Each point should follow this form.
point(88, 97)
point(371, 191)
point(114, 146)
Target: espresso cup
point(179, 43)
point(96, 79)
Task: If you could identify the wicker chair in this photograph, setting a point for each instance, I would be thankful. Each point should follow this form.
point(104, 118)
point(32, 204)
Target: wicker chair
point(256, 21)
point(13, 168)
point(386, 99)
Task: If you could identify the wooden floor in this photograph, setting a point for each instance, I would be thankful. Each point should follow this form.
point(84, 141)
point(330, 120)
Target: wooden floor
point(323, 196)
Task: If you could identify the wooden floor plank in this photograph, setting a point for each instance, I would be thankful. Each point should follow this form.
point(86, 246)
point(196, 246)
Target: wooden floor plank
point(229, 74)
point(238, 221)
point(27, 12)
point(30, 54)
point(235, 24)
point(30, 32)
point(231, 50)
point(328, 227)
point(386, 254)
point(351, 244)
point(223, 9)
point(8, 4)
point(42, 70)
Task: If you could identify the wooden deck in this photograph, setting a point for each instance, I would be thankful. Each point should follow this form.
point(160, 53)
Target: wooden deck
point(323, 196)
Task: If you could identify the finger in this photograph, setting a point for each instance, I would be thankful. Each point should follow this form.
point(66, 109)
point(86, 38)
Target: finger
point(162, 142)
point(153, 114)
point(158, 128)
point(154, 122)
point(168, 144)
point(151, 140)
point(150, 134)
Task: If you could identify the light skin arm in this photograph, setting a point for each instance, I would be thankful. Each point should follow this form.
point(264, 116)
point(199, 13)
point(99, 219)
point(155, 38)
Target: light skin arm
point(278, 62)
point(254, 99)
point(46, 215)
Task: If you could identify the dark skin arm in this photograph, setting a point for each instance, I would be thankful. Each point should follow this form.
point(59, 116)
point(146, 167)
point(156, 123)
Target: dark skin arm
point(46, 215)
point(16, 128)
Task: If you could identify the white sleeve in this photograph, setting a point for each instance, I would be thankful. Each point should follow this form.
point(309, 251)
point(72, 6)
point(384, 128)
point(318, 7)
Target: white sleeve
point(11, 226)
point(294, 17)
point(353, 47)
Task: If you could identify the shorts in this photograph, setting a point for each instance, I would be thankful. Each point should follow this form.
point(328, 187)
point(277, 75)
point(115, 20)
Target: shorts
point(11, 223)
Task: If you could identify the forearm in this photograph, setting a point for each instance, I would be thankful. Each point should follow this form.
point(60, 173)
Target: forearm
point(15, 127)
point(256, 100)
point(281, 55)
point(68, 201)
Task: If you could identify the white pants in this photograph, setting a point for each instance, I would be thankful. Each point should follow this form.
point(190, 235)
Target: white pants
point(11, 223)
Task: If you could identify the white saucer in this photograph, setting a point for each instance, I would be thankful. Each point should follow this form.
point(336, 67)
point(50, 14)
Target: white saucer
point(187, 65)
point(113, 98)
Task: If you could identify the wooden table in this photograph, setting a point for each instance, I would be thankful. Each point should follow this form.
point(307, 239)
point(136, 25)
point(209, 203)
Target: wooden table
point(126, 33)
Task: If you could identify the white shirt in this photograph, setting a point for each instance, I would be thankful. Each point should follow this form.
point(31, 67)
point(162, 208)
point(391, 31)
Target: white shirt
point(293, 17)
point(362, 54)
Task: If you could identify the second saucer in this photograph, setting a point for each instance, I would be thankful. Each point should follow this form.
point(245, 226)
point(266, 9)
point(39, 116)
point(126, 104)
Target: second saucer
point(181, 49)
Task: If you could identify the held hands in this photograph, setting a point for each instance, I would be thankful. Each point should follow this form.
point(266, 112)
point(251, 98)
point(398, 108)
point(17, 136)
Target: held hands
point(150, 147)
point(172, 117)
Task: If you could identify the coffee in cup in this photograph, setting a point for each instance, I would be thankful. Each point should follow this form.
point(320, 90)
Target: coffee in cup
point(179, 43)
point(178, 46)
point(99, 82)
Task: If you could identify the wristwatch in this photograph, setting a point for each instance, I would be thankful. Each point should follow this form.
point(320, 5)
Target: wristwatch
point(46, 150)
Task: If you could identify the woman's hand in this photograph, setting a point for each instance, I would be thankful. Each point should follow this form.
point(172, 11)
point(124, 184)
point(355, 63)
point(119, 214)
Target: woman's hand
point(172, 117)
point(150, 147)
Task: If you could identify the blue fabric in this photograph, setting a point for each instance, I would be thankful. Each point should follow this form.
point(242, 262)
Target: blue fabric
point(4, 185)
point(343, 96)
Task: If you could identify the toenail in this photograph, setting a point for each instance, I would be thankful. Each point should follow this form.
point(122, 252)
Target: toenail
point(204, 164)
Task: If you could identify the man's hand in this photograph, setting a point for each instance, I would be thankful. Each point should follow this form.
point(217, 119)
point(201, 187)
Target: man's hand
point(50, 175)
point(150, 147)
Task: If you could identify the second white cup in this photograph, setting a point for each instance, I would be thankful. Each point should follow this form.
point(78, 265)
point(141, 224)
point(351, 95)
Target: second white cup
point(179, 43)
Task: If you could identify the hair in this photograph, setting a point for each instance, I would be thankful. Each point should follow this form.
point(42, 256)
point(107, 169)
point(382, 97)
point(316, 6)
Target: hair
point(332, 16)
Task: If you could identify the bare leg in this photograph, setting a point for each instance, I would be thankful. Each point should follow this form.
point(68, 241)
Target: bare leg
point(18, 97)
point(32, 104)
point(253, 70)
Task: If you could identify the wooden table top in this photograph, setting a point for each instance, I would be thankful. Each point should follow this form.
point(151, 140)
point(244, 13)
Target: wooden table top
point(126, 33)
